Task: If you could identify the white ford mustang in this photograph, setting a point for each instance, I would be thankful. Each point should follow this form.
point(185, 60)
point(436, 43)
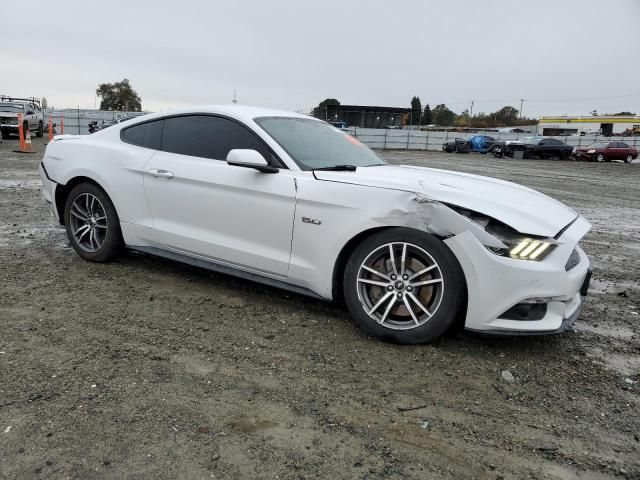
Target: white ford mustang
point(287, 200)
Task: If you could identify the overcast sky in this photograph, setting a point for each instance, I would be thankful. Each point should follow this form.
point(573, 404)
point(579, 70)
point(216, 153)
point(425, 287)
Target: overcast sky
point(562, 56)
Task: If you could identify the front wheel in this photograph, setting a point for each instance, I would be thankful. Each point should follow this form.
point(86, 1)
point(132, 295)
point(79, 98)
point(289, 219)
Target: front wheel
point(600, 157)
point(404, 286)
point(40, 131)
point(92, 224)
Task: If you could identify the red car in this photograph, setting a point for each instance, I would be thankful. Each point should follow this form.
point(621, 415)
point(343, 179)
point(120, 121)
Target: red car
point(606, 151)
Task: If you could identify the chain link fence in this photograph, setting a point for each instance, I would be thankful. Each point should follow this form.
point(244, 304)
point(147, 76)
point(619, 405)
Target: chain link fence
point(409, 137)
point(412, 139)
point(76, 120)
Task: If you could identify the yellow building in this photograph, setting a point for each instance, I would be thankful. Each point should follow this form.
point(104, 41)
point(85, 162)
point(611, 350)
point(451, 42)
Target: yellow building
point(602, 125)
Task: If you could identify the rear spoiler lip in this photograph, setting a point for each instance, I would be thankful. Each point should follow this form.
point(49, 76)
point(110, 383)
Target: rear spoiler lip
point(66, 136)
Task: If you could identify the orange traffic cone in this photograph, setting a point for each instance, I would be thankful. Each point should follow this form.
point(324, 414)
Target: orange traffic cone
point(25, 138)
point(27, 143)
point(50, 129)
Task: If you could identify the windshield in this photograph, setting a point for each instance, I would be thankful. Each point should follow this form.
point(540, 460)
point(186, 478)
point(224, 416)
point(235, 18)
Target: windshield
point(11, 107)
point(313, 144)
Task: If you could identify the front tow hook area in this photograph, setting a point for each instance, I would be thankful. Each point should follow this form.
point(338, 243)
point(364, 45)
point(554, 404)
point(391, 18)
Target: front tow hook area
point(584, 289)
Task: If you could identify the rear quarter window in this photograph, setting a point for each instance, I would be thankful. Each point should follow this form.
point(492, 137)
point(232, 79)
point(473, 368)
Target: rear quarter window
point(147, 135)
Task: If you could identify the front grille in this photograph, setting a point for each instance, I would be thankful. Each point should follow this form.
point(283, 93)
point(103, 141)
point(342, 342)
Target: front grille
point(574, 260)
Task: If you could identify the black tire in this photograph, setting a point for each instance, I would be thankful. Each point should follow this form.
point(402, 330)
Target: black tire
point(40, 132)
point(628, 159)
point(112, 242)
point(25, 129)
point(451, 298)
point(600, 157)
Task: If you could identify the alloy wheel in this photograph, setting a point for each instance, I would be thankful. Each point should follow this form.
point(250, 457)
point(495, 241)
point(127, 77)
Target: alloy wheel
point(88, 221)
point(400, 285)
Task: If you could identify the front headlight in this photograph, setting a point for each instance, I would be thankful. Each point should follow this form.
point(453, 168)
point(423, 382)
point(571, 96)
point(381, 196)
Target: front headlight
point(524, 248)
point(516, 245)
point(591, 151)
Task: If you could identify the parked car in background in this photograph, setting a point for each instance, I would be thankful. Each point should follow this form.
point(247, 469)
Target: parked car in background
point(288, 200)
point(95, 127)
point(533, 147)
point(470, 143)
point(458, 145)
point(605, 152)
point(32, 115)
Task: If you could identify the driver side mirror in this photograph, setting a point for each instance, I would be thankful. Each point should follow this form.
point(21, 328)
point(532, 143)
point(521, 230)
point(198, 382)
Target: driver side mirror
point(243, 157)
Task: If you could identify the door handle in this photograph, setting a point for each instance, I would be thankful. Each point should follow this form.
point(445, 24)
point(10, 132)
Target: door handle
point(161, 173)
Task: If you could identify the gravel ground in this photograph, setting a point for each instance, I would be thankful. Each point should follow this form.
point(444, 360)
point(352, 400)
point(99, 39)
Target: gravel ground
point(145, 368)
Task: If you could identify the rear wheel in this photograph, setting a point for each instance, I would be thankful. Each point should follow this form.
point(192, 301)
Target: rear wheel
point(92, 224)
point(628, 159)
point(404, 286)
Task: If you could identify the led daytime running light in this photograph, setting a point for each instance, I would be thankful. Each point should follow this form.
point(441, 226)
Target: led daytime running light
point(529, 249)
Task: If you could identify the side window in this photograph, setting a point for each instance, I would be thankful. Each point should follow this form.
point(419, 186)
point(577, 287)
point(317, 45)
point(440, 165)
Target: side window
point(622, 145)
point(147, 135)
point(209, 137)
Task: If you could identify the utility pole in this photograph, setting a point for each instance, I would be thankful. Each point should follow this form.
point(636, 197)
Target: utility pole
point(521, 102)
point(235, 98)
point(470, 113)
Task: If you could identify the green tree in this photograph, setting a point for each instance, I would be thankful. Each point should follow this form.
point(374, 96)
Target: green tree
point(416, 110)
point(427, 118)
point(443, 116)
point(507, 115)
point(119, 96)
point(463, 120)
point(326, 109)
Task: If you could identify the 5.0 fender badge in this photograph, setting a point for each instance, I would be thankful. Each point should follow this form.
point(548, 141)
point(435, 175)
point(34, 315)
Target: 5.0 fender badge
point(313, 221)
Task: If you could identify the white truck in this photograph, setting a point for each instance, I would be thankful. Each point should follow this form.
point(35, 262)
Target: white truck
point(32, 115)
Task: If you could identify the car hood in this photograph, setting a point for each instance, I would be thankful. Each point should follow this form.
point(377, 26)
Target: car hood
point(522, 208)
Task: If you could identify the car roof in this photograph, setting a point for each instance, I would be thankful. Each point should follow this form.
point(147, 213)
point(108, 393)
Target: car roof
point(244, 113)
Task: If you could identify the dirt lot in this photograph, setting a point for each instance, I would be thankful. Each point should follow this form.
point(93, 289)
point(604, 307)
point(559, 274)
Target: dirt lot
point(145, 368)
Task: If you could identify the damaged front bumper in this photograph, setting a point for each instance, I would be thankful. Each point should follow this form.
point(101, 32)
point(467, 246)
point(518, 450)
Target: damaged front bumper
point(496, 285)
point(48, 191)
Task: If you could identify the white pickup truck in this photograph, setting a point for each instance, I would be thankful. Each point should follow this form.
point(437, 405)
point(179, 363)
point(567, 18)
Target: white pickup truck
point(32, 115)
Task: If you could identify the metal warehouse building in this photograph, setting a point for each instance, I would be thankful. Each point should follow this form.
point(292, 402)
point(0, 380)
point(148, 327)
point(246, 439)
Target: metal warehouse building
point(604, 125)
point(366, 115)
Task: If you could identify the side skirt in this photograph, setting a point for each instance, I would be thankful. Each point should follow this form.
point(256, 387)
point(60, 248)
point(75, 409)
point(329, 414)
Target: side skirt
point(227, 270)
